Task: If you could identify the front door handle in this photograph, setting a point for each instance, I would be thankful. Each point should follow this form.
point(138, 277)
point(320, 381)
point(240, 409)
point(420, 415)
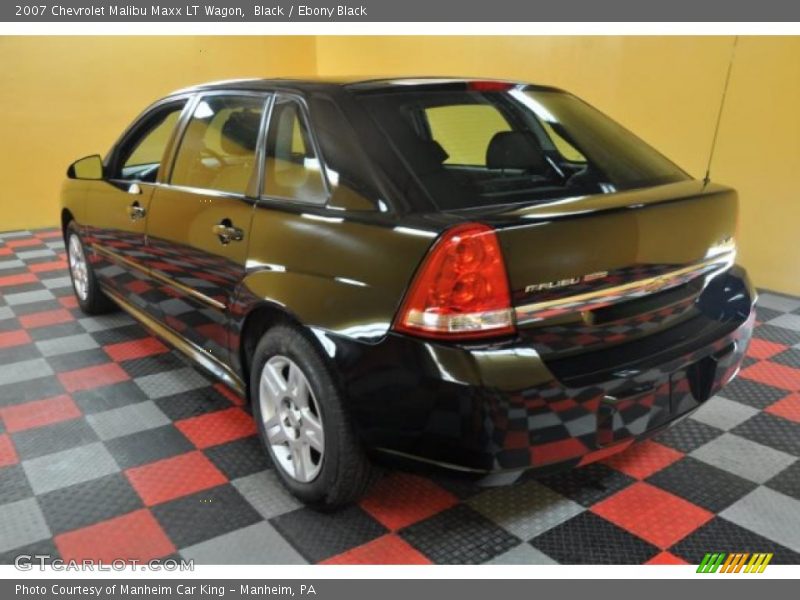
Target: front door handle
point(136, 211)
point(227, 233)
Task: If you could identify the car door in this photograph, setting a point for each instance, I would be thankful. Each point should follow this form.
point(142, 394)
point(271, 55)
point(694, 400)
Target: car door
point(199, 220)
point(117, 206)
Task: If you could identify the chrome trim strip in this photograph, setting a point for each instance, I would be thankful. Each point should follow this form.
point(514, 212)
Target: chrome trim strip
point(207, 300)
point(210, 363)
point(538, 311)
point(202, 191)
point(97, 249)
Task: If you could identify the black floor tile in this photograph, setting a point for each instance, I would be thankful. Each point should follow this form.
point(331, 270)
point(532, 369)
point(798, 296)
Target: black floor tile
point(688, 435)
point(109, 397)
point(317, 535)
point(240, 458)
point(787, 481)
point(148, 446)
point(755, 394)
point(702, 484)
point(587, 485)
point(14, 484)
point(770, 430)
point(33, 443)
point(205, 515)
point(88, 503)
point(459, 535)
point(589, 539)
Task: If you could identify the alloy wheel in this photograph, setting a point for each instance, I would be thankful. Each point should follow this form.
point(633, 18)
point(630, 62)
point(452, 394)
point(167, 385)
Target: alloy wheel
point(292, 419)
point(78, 267)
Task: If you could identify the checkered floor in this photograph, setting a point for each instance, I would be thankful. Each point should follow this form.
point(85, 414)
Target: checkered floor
point(113, 446)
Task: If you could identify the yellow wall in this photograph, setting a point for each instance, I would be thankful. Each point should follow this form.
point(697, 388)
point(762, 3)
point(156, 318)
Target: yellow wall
point(668, 91)
point(758, 151)
point(66, 97)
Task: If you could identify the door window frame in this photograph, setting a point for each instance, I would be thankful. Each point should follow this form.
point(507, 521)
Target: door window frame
point(111, 163)
point(305, 115)
point(268, 99)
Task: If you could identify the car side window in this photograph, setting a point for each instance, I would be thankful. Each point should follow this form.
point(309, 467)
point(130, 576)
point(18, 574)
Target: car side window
point(463, 131)
point(218, 148)
point(292, 170)
point(142, 152)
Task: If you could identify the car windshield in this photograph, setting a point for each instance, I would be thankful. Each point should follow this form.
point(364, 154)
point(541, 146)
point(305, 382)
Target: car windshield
point(474, 147)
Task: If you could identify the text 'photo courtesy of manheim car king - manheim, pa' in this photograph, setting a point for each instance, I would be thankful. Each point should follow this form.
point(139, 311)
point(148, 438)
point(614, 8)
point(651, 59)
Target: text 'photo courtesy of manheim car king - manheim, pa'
point(481, 275)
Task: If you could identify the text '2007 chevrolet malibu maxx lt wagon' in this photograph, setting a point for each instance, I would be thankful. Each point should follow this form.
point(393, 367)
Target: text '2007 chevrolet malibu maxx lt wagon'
point(481, 275)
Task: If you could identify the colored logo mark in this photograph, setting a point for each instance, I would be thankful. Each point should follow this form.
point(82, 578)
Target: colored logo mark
point(735, 562)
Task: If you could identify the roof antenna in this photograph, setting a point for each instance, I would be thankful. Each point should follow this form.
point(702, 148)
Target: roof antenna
point(707, 178)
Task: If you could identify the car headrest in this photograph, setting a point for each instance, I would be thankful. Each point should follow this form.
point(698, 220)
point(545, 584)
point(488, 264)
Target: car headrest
point(515, 150)
point(240, 133)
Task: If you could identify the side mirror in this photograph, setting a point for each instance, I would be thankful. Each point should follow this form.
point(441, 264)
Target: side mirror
point(88, 167)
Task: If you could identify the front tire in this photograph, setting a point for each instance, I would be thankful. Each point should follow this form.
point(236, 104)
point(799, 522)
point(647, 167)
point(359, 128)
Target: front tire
point(91, 298)
point(302, 422)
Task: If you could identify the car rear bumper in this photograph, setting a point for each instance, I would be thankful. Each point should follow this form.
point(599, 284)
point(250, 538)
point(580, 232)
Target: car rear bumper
point(501, 409)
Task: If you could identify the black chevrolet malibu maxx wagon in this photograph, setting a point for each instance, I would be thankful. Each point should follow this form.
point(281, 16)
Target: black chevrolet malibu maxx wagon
point(482, 275)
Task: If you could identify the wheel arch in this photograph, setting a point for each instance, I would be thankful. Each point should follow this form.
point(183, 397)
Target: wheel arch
point(263, 316)
point(66, 218)
point(260, 318)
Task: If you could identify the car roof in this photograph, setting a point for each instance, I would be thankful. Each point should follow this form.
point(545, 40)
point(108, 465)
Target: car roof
point(347, 82)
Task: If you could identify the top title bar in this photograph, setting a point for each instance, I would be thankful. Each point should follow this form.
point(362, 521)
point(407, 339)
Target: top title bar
point(316, 11)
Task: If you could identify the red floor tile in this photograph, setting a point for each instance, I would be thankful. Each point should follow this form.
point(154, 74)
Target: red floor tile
point(26, 243)
point(48, 235)
point(135, 536)
point(68, 301)
point(135, 349)
point(401, 499)
point(774, 374)
point(39, 413)
point(653, 514)
point(8, 454)
point(788, 408)
point(762, 349)
point(6, 251)
point(92, 377)
point(48, 317)
point(217, 427)
point(386, 550)
point(172, 478)
point(14, 338)
point(666, 558)
point(643, 459)
point(54, 265)
point(21, 278)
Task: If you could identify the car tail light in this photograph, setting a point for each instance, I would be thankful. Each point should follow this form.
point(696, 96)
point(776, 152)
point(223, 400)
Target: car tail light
point(461, 289)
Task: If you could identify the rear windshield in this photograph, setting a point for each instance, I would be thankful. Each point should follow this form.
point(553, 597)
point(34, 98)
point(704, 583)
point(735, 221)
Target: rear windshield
point(471, 148)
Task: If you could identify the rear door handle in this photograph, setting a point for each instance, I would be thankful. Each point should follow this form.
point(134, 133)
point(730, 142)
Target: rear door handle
point(136, 211)
point(227, 233)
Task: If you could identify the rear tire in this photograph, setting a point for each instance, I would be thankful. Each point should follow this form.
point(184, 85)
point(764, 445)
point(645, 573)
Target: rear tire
point(301, 420)
point(91, 299)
